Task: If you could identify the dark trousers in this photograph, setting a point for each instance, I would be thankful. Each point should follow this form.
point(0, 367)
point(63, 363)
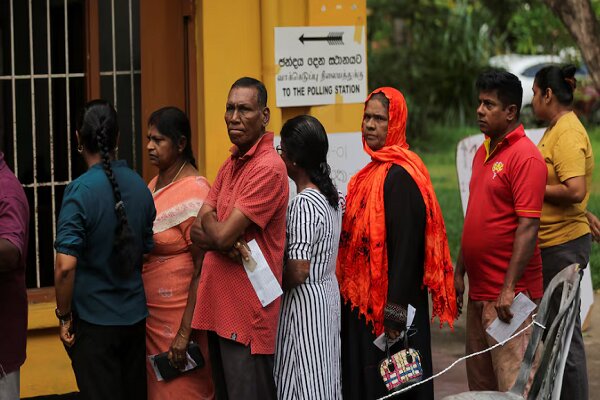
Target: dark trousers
point(238, 374)
point(110, 361)
point(554, 260)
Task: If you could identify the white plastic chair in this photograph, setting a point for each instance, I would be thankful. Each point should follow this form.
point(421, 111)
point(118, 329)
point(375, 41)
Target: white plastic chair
point(547, 380)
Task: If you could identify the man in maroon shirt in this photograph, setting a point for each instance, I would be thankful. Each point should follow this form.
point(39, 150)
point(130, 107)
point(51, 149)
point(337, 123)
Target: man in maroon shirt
point(248, 201)
point(499, 249)
point(14, 229)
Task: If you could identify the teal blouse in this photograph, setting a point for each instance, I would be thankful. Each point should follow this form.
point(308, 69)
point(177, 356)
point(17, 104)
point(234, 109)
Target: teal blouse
point(86, 230)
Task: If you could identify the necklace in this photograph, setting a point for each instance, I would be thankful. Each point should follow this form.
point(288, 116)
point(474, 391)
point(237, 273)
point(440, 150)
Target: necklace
point(174, 178)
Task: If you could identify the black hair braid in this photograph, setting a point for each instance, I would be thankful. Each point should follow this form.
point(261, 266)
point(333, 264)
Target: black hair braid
point(322, 179)
point(124, 244)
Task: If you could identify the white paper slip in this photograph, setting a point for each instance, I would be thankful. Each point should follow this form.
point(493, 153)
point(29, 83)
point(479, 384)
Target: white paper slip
point(380, 340)
point(261, 277)
point(410, 316)
point(521, 307)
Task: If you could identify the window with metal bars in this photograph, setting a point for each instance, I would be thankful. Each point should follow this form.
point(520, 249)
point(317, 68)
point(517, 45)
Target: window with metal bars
point(45, 61)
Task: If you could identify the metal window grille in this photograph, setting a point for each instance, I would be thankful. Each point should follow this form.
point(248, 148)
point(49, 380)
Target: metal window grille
point(42, 87)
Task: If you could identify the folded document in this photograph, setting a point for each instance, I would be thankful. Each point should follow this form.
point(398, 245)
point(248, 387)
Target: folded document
point(521, 307)
point(261, 276)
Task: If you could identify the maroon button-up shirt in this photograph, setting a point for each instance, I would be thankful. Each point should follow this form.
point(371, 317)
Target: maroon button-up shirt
point(14, 227)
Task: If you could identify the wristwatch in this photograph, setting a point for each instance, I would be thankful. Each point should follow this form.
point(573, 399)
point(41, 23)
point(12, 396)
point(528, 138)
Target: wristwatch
point(63, 317)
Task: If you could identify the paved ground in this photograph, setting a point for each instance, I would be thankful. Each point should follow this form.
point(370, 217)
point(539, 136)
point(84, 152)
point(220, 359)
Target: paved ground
point(448, 346)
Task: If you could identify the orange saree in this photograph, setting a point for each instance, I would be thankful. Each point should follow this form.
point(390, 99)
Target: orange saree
point(167, 275)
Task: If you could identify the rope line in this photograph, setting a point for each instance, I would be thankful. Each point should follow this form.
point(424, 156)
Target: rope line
point(502, 343)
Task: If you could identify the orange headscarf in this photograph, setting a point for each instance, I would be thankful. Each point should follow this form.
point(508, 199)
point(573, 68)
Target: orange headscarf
point(362, 264)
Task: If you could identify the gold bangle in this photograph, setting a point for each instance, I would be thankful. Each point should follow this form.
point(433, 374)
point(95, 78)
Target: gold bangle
point(181, 334)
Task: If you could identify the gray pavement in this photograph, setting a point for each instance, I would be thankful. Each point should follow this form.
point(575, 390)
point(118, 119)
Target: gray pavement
point(447, 346)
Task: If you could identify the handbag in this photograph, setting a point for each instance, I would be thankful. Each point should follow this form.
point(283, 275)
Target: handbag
point(401, 369)
point(168, 372)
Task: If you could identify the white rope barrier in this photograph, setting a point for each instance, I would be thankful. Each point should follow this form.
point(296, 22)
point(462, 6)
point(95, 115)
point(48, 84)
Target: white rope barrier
point(406, 389)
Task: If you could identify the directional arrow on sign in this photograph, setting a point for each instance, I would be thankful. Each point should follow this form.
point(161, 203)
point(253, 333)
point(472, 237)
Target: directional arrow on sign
point(334, 38)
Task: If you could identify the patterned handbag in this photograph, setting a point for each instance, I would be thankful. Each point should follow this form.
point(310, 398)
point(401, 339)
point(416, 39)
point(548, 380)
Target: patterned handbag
point(401, 369)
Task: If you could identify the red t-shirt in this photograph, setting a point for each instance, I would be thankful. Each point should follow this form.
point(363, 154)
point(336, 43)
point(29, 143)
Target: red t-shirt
point(257, 185)
point(506, 185)
point(14, 227)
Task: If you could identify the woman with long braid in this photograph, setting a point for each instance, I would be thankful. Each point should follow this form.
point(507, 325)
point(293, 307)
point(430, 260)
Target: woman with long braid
point(104, 229)
point(307, 356)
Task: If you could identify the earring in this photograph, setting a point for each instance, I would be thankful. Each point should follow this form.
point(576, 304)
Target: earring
point(80, 149)
point(294, 164)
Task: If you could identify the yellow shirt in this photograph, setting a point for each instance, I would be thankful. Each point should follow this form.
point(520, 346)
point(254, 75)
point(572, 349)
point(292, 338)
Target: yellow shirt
point(567, 151)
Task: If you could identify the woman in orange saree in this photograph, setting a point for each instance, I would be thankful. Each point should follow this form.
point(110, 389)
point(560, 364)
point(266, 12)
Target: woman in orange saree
point(172, 270)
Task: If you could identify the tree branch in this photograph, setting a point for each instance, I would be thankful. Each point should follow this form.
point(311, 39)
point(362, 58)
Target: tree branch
point(579, 18)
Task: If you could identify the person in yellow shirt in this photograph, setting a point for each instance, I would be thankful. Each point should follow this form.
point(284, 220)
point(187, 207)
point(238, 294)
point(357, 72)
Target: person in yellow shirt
point(564, 235)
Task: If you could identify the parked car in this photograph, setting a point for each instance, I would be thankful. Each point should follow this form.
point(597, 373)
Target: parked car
point(587, 97)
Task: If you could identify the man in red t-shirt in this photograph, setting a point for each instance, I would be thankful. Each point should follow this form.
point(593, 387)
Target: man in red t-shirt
point(499, 249)
point(247, 201)
point(14, 231)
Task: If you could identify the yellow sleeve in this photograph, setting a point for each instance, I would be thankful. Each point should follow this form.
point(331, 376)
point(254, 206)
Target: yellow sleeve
point(569, 155)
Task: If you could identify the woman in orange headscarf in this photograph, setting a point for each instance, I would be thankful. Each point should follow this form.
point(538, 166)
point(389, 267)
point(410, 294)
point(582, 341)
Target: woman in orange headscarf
point(393, 251)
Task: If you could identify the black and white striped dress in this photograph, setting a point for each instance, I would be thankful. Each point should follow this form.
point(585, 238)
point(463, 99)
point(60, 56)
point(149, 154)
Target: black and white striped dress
point(307, 356)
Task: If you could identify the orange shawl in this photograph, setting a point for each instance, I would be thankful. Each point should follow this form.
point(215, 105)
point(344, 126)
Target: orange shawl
point(362, 264)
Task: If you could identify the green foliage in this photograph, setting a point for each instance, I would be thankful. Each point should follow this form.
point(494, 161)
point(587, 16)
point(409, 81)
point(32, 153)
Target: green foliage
point(432, 51)
point(534, 29)
point(594, 202)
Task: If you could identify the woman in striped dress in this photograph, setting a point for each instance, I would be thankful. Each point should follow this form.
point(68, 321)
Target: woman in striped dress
point(307, 356)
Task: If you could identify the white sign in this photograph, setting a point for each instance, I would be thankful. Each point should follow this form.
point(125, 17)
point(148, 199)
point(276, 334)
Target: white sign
point(320, 65)
point(346, 157)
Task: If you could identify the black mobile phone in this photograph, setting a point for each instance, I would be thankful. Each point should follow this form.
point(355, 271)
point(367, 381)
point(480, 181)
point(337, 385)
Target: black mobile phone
point(168, 371)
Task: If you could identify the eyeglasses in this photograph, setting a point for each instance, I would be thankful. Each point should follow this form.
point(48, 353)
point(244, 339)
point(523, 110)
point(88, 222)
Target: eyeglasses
point(279, 149)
